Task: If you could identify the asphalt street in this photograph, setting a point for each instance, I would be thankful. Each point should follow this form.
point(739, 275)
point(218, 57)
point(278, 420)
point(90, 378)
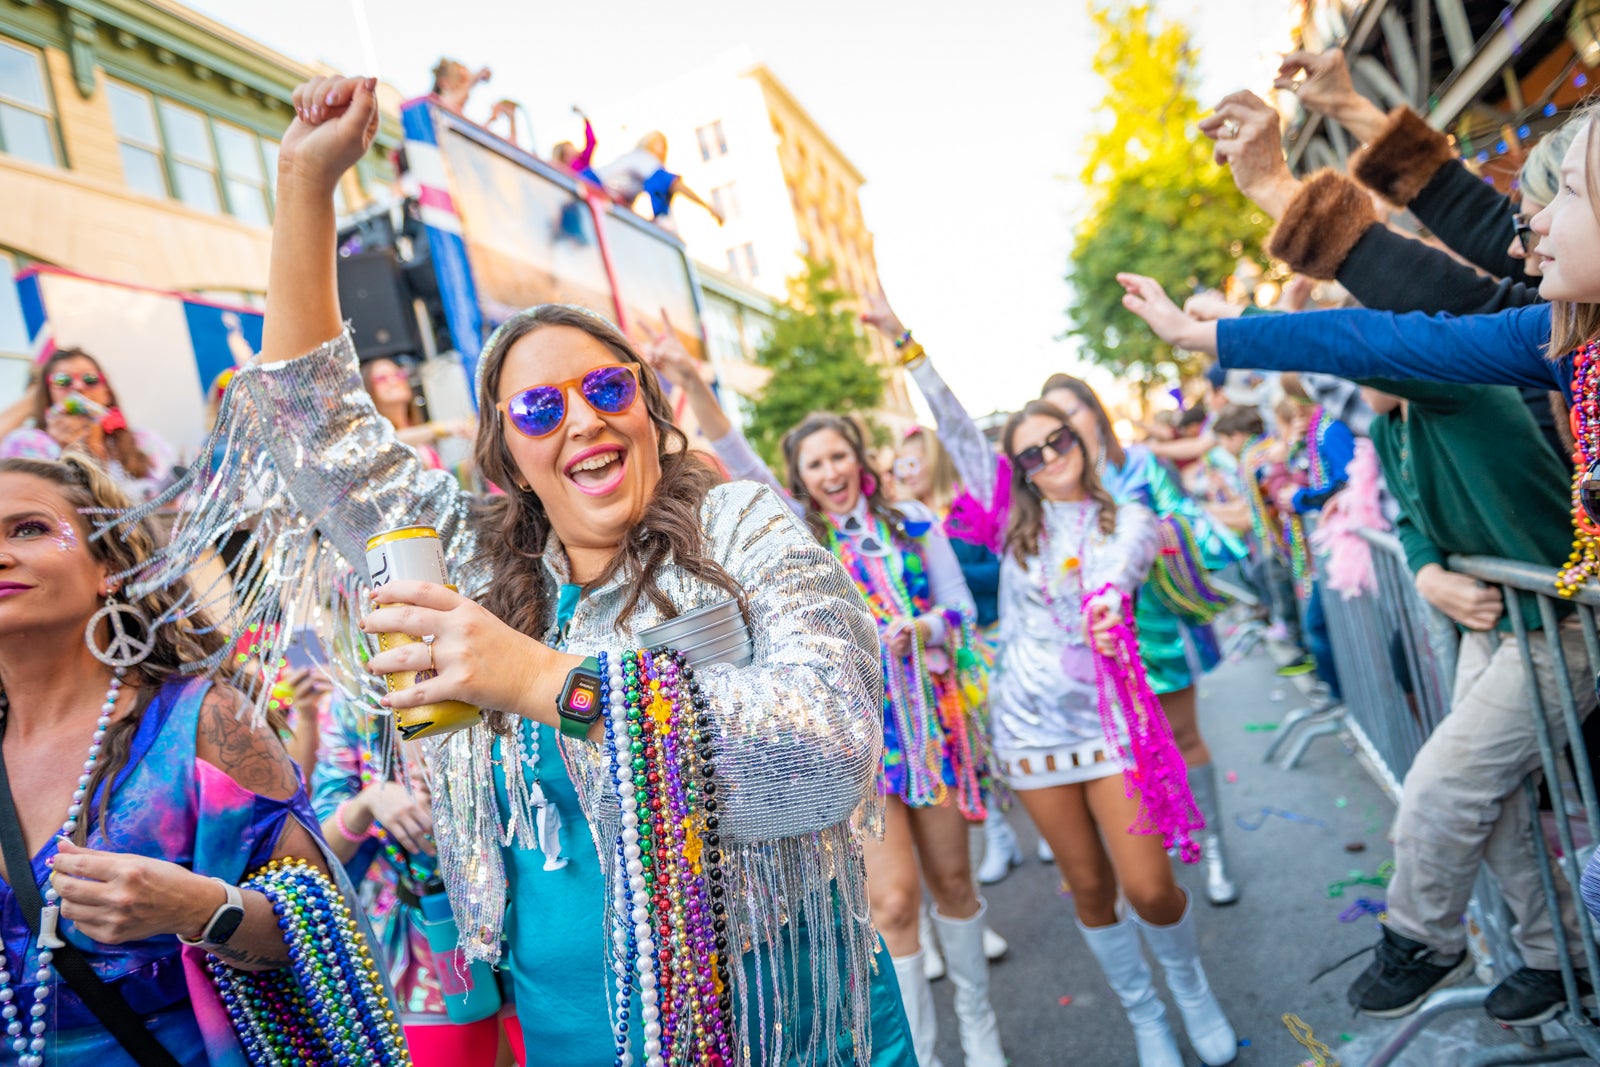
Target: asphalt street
point(1262, 953)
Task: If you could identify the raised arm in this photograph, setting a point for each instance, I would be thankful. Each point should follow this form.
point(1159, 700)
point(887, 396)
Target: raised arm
point(1506, 348)
point(969, 450)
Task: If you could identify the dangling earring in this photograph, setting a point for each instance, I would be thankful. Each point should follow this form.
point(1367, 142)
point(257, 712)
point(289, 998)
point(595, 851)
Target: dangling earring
point(869, 483)
point(133, 637)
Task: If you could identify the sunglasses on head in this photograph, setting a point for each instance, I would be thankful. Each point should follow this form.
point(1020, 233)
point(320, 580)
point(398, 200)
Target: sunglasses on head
point(63, 380)
point(1061, 441)
point(539, 410)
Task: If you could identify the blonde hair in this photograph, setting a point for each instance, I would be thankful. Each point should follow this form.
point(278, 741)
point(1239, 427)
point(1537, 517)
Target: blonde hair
point(942, 482)
point(1574, 324)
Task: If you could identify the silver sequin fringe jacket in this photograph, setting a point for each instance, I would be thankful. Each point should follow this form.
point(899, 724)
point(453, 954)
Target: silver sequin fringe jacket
point(798, 732)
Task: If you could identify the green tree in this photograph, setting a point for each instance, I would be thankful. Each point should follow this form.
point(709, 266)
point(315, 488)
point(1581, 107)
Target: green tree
point(1159, 205)
point(819, 359)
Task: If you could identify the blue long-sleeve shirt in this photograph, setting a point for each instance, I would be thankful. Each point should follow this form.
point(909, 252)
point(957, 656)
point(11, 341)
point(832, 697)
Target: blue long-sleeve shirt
point(1506, 348)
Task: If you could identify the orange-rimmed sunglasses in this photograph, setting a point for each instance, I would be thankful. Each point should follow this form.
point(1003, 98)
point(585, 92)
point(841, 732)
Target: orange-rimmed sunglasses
point(539, 410)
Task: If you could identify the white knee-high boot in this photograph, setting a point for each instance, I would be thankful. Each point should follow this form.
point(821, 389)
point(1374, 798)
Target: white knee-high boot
point(932, 960)
point(1121, 958)
point(1175, 949)
point(917, 996)
point(968, 968)
point(1220, 886)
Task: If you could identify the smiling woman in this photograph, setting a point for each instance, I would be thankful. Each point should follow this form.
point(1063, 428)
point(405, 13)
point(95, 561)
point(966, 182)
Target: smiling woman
point(667, 856)
point(178, 801)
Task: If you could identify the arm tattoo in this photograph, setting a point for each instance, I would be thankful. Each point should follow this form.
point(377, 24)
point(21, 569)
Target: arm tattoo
point(254, 758)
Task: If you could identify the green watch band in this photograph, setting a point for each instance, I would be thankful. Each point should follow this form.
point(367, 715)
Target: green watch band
point(579, 704)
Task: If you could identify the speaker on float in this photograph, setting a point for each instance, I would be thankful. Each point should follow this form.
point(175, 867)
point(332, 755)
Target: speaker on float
point(373, 295)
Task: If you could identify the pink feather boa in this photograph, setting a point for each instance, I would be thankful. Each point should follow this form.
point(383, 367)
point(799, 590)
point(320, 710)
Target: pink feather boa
point(1357, 507)
point(1155, 770)
point(970, 521)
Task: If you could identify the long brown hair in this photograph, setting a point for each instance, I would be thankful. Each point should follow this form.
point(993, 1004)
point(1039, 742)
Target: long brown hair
point(1574, 324)
point(1091, 400)
point(1027, 511)
point(872, 487)
point(120, 444)
point(516, 527)
point(89, 491)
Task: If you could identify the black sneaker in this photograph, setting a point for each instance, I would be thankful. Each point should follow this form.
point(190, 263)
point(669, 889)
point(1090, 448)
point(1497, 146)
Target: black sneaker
point(1529, 997)
point(1401, 977)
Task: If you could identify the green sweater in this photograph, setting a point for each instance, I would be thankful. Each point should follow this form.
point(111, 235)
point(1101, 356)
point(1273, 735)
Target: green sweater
point(1474, 477)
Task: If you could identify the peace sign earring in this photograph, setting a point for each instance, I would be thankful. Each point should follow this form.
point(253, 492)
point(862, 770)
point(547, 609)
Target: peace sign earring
point(132, 635)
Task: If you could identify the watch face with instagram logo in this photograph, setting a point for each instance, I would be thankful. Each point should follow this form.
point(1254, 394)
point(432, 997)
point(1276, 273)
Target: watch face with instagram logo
point(579, 704)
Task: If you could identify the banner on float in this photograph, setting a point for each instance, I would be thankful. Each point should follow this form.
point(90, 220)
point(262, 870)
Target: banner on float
point(161, 351)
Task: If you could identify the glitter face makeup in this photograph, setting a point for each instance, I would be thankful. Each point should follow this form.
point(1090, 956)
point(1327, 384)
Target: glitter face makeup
point(66, 537)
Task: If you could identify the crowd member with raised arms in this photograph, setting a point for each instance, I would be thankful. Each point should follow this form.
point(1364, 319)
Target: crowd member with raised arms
point(673, 783)
point(934, 745)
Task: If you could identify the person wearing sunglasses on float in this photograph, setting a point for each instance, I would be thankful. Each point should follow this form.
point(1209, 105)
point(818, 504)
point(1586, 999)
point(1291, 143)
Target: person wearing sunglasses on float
point(935, 753)
point(607, 525)
point(73, 407)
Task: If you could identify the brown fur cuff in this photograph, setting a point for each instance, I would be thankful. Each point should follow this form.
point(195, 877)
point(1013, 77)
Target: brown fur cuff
point(1322, 225)
point(1403, 159)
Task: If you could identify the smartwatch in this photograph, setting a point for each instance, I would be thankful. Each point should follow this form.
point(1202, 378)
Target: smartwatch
point(224, 921)
point(579, 702)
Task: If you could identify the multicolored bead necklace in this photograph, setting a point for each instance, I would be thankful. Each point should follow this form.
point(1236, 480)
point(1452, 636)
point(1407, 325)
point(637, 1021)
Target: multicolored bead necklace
point(329, 1004)
point(670, 880)
point(926, 716)
point(1251, 460)
point(1584, 562)
point(30, 1047)
point(1180, 579)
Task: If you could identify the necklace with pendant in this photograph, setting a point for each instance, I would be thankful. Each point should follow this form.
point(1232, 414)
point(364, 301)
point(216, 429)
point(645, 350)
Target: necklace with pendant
point(29, 1046)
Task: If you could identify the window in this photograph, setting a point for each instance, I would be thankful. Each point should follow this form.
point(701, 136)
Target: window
point(175, 152)
point(244, 177)
point(191, 157)
point(138, 140)
point(726, 201)
point(713, 142)
point(27, 120)
point(742, 262)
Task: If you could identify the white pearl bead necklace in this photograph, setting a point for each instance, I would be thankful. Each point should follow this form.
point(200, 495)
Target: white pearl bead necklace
point(30, 1047)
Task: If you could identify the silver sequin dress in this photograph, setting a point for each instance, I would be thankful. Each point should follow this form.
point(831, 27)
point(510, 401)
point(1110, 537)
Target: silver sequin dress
point(798, 731)
point(1043, 701)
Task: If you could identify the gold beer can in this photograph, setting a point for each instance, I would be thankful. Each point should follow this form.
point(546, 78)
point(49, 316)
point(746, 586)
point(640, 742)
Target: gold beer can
point(415, 553)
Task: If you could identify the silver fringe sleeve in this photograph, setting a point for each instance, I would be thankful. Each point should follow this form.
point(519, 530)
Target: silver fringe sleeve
point(969, 449)
point(301, 460)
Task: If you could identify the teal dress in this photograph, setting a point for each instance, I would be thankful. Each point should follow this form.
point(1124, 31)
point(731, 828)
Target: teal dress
point(555, 934)
point(1164, 639)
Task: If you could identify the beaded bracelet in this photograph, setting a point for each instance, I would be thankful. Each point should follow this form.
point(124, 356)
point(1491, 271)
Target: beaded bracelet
point(672, 929)
point(328, 1005)
point(911, 353)
point(344, 828)
point(903, 340)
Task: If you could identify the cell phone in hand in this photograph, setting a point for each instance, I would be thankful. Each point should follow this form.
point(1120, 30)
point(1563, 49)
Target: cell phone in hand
point(305, 652)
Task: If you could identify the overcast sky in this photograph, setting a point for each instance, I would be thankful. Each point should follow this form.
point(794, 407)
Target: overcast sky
point(966, 119)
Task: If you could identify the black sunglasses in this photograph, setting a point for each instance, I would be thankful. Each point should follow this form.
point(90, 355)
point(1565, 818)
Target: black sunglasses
point(1525, 234)
point(1061, 441)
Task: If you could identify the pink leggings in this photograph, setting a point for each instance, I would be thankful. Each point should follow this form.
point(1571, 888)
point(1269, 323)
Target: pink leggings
point(462, 1045)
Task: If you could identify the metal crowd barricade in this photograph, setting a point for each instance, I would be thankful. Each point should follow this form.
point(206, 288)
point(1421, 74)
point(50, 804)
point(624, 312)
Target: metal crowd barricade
point(1396, 660)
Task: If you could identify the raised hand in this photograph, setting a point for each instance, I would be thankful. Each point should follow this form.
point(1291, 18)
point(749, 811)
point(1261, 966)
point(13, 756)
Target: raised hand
point(1320, 79)
point(1211, 305)
point(666, 355)
point(1250, 145)
point(881, 316)
point(1145, 298)
point(336, 121)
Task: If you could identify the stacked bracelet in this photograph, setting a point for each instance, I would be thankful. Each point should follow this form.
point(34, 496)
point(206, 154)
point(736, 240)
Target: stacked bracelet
point(344, 830)
point(910, 353)
point(903, 340)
